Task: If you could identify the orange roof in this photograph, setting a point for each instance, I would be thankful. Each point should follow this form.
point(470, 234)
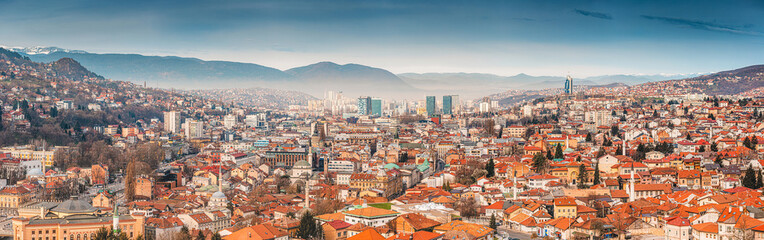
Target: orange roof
point(371, 212)
point(709, 227)
point(368, 234)
point(565, 201)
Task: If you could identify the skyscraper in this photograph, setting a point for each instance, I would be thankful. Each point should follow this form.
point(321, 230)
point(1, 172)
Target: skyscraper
point(447, 104)
point(172, 121)
point(431, 107)
point(569, 85)
point(364, 105)
point(376, 107)
point(193, 128)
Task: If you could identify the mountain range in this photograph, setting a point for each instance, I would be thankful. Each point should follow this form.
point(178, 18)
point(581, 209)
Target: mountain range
point(352, 79)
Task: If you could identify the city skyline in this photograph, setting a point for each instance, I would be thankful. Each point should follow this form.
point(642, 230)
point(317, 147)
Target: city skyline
point(505, 38)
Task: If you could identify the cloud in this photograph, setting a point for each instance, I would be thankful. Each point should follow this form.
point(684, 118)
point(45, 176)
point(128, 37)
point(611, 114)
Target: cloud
point(713, 27)
point(594, 14)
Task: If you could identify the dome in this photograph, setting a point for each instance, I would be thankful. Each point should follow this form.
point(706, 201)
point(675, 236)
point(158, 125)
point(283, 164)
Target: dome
point(218, 194)
point(302, 164)
point(74, 206)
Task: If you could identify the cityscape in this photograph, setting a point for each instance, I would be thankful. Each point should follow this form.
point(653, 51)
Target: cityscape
point(354, 120)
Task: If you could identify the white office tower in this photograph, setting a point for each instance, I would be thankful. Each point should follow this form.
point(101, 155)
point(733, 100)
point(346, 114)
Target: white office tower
point(251, 120)
point(527, 111)
point(193, 128)
point(456, 105)
point(485, 107)
point(172, 121)
point(494, 104)
point(229, 121)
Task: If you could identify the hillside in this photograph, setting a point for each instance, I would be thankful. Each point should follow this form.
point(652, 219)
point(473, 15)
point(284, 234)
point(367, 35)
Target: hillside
point(259, 97)
point(731, 82)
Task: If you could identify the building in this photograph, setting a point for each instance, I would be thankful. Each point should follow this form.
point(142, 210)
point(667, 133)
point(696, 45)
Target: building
point(565, 207)
point(477, 231)
point(281, 157)
point(431, 106)
point(258, 232)
point(47, 157)
point(13, 196)
point(364, 106)
point(143, 187)
point(448, 104)
point(569, 85)
point(370, 216)
point(229, 121)
point(376, 107)
point(74, 219)
point(172, 121)
point(193, 128)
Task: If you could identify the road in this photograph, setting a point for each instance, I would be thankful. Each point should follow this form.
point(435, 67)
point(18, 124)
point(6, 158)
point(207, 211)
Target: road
point(505, 233)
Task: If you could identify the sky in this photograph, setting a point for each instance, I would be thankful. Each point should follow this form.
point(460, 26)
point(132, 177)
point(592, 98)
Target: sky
point(539, 37)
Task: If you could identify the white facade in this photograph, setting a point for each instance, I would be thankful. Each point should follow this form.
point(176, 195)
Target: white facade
point(172, 121)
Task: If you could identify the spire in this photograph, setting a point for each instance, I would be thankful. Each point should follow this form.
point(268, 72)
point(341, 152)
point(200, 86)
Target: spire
point(220, 176)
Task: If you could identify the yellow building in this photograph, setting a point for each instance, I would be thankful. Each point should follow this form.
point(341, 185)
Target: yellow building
point(46, 157)
point(565, 207)
point(13, 196)
point(73, 220)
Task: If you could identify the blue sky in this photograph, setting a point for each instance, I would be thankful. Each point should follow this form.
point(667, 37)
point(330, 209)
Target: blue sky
point(583, 38)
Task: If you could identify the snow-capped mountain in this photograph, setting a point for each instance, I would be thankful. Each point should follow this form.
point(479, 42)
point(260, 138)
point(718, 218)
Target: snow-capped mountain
point(41, 50)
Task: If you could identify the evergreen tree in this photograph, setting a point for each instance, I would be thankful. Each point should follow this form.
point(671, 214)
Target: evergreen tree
point(718, 160)
point(749, 180)
point(549, 155)
point(490, 168)
point(759, 183)
point(493, 224)
point(588, 137)
point(539, 163)
point(130, 181)
point(200, 236)
point(614, 130)
point(714, 147)
point(308, 229)
point(596, 180)
point(558, 152)
point(582, 176)
point(754, 142)
point(53, 111)
point(446, 187)
point(702, 148)
point(217, 236)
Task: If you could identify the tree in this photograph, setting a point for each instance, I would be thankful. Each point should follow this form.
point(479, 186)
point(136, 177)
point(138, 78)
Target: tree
point(596, 180)
point(749, 180)
point(489, 168)
point(200, 236)
point(540, 163)
point(558, 152)
point(714, 147)
point(581, 176)
point(588, 137)
point(747, 143)
point(718, 160)
point(702, 148)
point(614, 130)
point(493, 224)
point(217, 236)
point(467, 207)
point(308, 228)
point(549, 155)
point(759, 183)
point(130, 181)
point(446, 187)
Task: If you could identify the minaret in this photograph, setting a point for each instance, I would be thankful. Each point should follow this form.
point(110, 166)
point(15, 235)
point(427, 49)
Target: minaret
point(220, 176)
point(115, 221)
point(631, 185)
point(514, 186)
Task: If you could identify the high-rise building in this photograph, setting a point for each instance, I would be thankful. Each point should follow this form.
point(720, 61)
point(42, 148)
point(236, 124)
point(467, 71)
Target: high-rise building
point(569, 85)
point(431, 106)
point(447, 104)
point(193, 128)
point(364, 105)
point(376, 107)
point(172, 121)
point(229, 121)
point(456, 106)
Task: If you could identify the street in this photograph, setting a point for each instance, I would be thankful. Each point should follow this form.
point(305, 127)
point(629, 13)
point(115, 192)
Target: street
point(505, 233)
